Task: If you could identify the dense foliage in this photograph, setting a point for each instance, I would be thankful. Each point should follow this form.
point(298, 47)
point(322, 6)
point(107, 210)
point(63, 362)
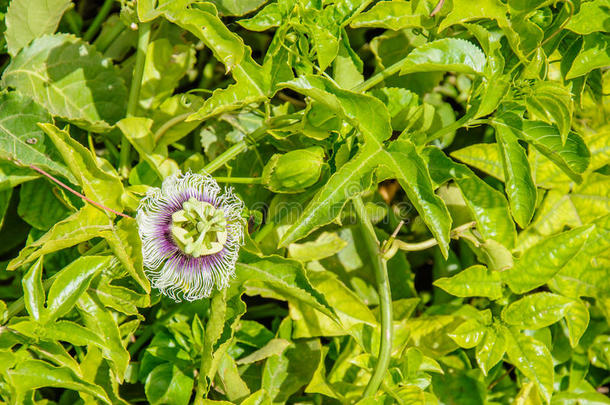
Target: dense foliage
point(455, 153)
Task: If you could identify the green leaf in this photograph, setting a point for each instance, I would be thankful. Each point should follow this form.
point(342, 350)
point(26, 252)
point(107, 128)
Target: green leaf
point(351, 179)
point(99, 185)
point(279, 278)
point(520, 186)
point(351, 311)
point(464, 10)
point(488, 206)
point(589, 18)
point(540, 263)
point(33, 291)
point(468, 334)
point(586, 273)
point(364, 112)
point(27, 20)
point(587, 202)
point(72, 281)
point(533, 359)
point(167, 384)
point(101, 321)
point(552, 103)
point(79, 227)
point(599, 352)
point(34, 374)
point(270, 16)
point(475, 281)
point(237, 8)
point(275, 347)
point(285, 374)
point(40, 196)
point(11, 175)
point(252, 85)
point(325, 245)
point(536, 311)
point(410, 170)
point(5, 200)
point(572, 157)
point(119, 298)
point(577, 318)
point(491, 349)
point(445, 55)
point(168, 58)
point(71, 80)
point(22, 140)
point(595, 53)
point(482, 156)
point(394, 15)
point(125, 242)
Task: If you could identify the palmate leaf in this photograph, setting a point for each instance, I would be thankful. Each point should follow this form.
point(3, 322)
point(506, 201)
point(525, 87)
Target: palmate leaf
point(252, 82)
point(27, 20)
point(22, 140)
point(71, 80)
point(371, 118)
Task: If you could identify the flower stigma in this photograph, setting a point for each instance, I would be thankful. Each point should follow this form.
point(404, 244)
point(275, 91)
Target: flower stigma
point(199, 228)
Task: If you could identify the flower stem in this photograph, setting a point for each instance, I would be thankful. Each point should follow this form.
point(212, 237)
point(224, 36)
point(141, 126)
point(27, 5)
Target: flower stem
point(98, 20)
point(134, 92)
point(385, 298)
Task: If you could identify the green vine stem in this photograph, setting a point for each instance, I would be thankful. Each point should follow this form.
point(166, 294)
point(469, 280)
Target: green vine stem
point(98, 20)
point(239, 180)
point(385, 298)
point(413, 247)
point(134, 93)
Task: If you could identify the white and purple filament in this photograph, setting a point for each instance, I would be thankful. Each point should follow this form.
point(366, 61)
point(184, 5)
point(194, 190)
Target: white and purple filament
point(191, 235)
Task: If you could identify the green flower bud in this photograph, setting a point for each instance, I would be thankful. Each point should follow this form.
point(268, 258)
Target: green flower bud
point(294, 171)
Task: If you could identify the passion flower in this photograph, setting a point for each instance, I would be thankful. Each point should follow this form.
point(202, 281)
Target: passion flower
point(191, 234)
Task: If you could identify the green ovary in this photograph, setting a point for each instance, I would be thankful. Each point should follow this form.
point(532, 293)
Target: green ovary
point(199, 228)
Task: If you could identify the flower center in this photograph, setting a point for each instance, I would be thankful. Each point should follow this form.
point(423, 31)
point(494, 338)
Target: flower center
point(199, 228)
